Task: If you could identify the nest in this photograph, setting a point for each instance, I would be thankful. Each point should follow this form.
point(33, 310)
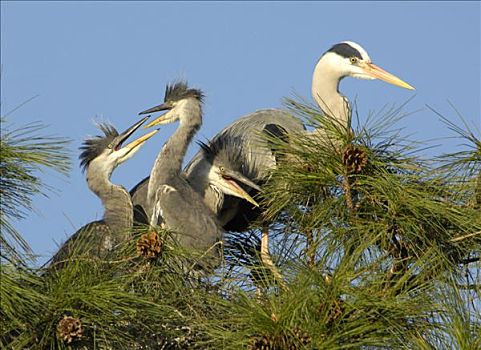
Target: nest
point(149, 245)
point(69, 329)
point(354, 159)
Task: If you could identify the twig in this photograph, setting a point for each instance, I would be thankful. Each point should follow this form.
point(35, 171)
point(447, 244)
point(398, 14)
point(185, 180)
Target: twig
point(205, 253)
point(470, 260)
point(400, 256)
point(310, 251)
point(469, 286)
point(347, 191)
point(457, 239)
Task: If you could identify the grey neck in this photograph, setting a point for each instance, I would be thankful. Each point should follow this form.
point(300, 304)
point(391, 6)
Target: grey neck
point(118, 214)
point(169, 160)
point(213, 198)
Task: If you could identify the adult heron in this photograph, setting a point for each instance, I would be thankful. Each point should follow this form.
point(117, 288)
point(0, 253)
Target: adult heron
point(252, 152)
point(255, 157)
point(99, 158)
point(171, 199)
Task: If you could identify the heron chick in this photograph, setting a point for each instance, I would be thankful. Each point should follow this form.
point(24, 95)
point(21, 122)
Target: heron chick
point(171, 200)
point(99, 158)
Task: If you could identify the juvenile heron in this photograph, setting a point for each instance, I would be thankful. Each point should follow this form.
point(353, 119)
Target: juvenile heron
point(171, 200)
point(222, 177)
point(99, 158)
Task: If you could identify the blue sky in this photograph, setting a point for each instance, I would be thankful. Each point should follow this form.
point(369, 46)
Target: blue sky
point(109, 60)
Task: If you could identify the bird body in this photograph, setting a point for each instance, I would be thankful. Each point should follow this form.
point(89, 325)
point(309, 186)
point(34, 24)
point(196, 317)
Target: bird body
point(173, 202)
point(216, 179)
point(246, 150)
point(256, 157)
point(246, 139)
point(100, 156)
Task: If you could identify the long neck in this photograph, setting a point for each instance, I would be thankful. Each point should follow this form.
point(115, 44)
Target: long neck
point(213, 198)
point(198, 177)
point(118, 214)
point(325, 91)
point(169, 160)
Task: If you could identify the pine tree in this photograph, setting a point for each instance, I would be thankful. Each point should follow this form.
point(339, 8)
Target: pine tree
point(377, 248)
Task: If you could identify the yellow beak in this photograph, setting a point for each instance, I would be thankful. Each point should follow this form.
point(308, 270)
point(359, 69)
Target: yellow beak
point(247, 197)
point(377, 72)
point(141, 140)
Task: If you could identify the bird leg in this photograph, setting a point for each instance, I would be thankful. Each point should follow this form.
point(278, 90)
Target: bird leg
point(266, 258)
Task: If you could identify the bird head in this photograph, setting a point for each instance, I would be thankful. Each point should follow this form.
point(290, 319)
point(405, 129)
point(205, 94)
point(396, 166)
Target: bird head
point(223, 175)
point(178, 99)
point(350, 59)
point(108, 151)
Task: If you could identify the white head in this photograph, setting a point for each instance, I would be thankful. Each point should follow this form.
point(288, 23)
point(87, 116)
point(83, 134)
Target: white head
point(350, 59)
point(344, 59)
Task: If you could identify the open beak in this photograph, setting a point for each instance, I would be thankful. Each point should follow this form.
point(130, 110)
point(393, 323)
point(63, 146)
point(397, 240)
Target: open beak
point(126, 134)
point(377, 72)
point(136, 144)
point(163, 119)
point(236, 176)
point(230, 179)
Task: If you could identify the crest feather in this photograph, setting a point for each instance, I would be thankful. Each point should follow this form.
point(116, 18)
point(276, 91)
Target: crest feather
point(227, 151)
point(180, 90)
point(94, 146)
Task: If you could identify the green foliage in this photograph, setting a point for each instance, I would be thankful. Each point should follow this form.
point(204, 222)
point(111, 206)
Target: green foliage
point(123, 300)
point(24, 153)
point(377, 248)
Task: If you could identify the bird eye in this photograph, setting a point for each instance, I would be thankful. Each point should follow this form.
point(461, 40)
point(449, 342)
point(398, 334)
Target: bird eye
point(110, 146)
point(221, 169)
point(353, 60)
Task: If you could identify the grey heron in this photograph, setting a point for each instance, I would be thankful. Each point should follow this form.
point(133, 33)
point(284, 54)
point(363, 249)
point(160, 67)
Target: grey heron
point(253, 153)
point(170, 197)
point(99, 158)
point(222, 177)
point(256, 156)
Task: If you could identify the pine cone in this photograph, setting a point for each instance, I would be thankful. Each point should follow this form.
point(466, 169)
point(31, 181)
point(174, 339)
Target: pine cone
point(336, 311)
point(301, 337)
point(69, 329)
point(262, 343)
point(149, 245)
point(354, 158)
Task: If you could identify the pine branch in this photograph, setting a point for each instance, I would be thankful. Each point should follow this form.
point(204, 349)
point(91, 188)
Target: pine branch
point(24, 154)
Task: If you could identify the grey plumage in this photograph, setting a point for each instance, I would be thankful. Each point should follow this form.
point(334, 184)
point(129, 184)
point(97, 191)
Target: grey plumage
point(93, 147)
point(171, 199)
point(244, 140)
point(246, 149)
point(99, 157)
point(252, 153)
point(180, 91)
point(220, 155)
point(236, 149)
